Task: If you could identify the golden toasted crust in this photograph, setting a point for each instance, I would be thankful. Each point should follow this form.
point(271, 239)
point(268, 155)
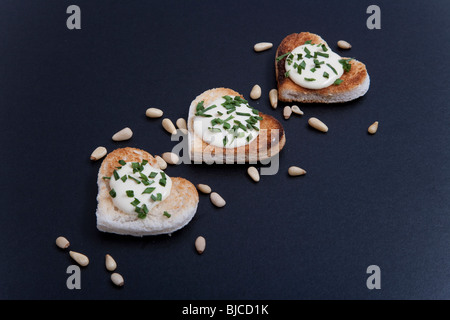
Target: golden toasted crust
point(269, 142)
point(351, 79)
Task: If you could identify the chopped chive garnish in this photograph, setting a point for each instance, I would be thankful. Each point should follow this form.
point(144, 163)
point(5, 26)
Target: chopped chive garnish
point(135, 202)
point(338, 81)
point(226, 125)
point(331, 67)
point(324, 48)
point(225, 140)
point(148, 190)
point(214, 129)
point(228, 119)
point(158, 197)
point(303, 64)
point(130, 193)
point(122, 162)
point(116, 175)
point(112, 193)
point(255, 111)
point(107, 178)
point(326, 55)
point(326, 75)
point(346, 64)
point(167, 214)
point(286, 74)
point(152, 175)
point(282, 56)
point(255, 127)
point(243, 114)
point(133, 178)
point(308, 42)
point(142, 212)
point(313, 70)
point(200, 106)
point(144, 162)
point(307, 51)
point(249, 137)
point(124, 178)
point(310, 79)
point(163, 175)
point(219, 113)
point(162, 182)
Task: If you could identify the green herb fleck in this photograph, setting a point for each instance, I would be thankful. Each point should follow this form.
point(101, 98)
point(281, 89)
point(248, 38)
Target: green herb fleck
point(282, 56)
point(130, 193)
point(112, 193)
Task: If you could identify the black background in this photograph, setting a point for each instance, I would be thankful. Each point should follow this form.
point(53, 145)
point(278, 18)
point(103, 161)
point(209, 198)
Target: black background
point(365, 200)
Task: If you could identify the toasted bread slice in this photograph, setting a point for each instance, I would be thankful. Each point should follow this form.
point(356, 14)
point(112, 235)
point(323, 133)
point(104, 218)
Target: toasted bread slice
point(355, 83)
point(181, 203)
point(269, 142)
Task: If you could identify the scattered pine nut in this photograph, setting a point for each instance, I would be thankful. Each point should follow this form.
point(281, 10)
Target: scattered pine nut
point(181, 123)
point(154, 113)
point(161, 163)
point(170, 158)
point(317, 124)
point(295, 109)
point(200, 244)
point(117, 279)
point(79, 258)
point(169, 126)
point(217, 200)
point(253, 173)
point(123, 134)
point(62, 242)
point(287, 111)
point(98, 153)
point(273, 97)
point(373, 128)
point(110, 263)
point(262, 46)
point(296, 171)
point(256, 92)
point(204, 188)
point(344, 44)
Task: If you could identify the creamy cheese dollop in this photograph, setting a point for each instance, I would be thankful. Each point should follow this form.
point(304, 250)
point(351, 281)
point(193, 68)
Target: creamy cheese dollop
point(136, 187)
point(314, 66)
point(227, 122)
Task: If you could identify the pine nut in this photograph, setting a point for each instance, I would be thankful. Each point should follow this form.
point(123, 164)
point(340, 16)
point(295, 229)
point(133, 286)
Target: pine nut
point(317, 124)
point(204, 188)
point(295, 109)
point(287, 111)
point(217, 200)
point(344, 44)
point(62, 242)
point(98, 153)
point(273, 97)
point(123, 134)
point(262, 46)
point(170, 157)
point(161, 163)
point(200, 244)
point(110, 263)
point(169, 126)
point(154, 113)
point(181, 123)
point(296, 171)
point(253, 173)
point(373, 128)
point(256, 92)
point(79, 258)
point(117, 279)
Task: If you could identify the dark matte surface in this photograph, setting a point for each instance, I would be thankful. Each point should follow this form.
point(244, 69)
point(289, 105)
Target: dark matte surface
point(381, 199)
